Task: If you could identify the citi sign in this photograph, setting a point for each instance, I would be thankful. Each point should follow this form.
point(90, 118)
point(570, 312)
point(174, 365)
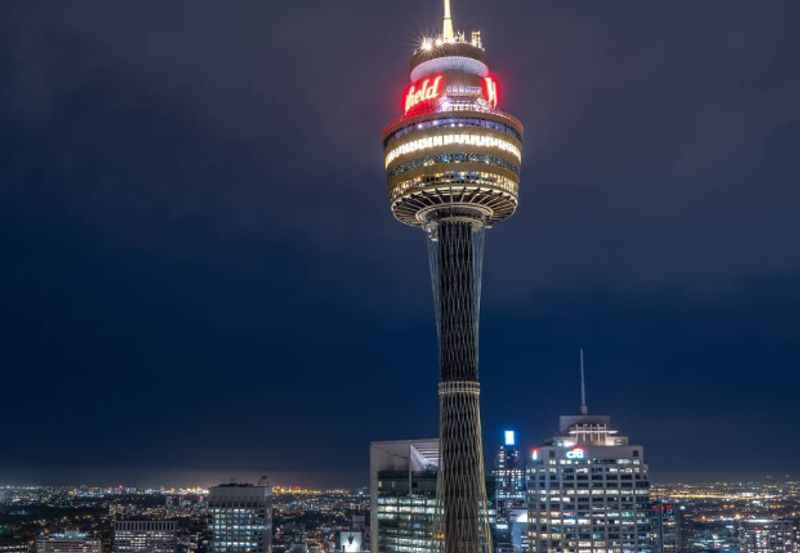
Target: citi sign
point(576, 453)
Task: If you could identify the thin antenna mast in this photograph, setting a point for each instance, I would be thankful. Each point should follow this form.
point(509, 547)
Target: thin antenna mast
point(447, 25)
point(584, 408)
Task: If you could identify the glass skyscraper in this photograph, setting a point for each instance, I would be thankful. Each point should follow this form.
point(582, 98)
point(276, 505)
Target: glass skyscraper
point(405, 511)
point(403, 496)
point(241, 518)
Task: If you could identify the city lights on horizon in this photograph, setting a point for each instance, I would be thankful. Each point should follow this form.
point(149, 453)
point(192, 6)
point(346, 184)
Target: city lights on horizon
point(89, 490)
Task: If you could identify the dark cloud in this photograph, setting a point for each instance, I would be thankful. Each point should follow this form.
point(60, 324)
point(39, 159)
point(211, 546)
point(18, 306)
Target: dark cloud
point(202, 275)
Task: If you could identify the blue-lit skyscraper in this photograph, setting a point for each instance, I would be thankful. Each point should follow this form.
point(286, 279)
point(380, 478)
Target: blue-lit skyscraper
point(508, 477)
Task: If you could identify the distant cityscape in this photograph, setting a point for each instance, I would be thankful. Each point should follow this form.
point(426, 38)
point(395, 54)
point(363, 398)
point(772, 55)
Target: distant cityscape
point(586, 490)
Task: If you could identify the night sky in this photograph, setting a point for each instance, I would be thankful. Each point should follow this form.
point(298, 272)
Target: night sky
point(201, 277)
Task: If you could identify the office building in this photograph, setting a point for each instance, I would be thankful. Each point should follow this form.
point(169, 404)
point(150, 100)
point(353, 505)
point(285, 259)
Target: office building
point(452, 161)
point(403, 496)
point(241, 518)
point(764, 535)
point(588, 489)
point(510, 502)
point(145, 536)
point(67, 542)
point(404, 510)
point(666, 527)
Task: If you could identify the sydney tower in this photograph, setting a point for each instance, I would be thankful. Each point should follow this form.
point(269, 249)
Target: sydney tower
point(453, 165)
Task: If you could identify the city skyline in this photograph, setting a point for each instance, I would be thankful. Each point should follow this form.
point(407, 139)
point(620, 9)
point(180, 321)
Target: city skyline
point(708, 518)
point(203, 279)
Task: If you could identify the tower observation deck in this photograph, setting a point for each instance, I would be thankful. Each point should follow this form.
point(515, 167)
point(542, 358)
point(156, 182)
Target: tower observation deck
point(453, 162)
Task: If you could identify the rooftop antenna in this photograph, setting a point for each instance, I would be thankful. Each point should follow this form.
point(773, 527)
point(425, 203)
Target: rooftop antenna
point(447, 27)
point(584, 408)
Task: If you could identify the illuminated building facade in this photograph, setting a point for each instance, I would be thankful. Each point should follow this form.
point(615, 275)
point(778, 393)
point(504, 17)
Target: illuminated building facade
point(403, 496)
point(453, 166)
point(145, 536)
point(766, 536)
point(666, 523)
point(510, 501)
point(588, 490)
point(718, 536)
point(241, 518)
point(14, 546)
point(67, 542)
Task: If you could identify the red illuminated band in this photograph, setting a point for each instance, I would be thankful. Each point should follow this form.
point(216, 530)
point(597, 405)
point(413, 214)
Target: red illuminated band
point(490, 91)
point(429, 89)
point(420, 94)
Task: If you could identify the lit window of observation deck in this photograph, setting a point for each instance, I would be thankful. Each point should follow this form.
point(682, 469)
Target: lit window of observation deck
point(484, 141)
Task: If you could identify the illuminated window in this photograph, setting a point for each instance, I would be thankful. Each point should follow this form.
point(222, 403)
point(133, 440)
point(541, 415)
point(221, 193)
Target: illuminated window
point(428, 142)
point(453, 122)
point(452, 158)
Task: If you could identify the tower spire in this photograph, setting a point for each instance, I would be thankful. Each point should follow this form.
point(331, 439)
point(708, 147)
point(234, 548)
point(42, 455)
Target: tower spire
point(447, 25)
point(584, 408)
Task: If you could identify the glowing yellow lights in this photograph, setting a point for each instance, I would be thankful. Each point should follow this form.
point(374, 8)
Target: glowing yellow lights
point(451, 181)
point(298, 490)
point(480, 140)
point(427, 44)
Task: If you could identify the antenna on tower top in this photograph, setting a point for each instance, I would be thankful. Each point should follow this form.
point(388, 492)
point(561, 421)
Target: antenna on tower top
point(584, 408)
point(447, 26)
